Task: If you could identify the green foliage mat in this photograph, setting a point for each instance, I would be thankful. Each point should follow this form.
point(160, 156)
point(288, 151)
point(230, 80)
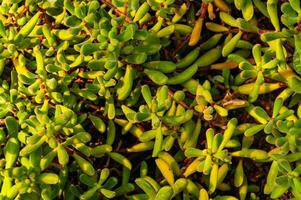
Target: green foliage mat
point(150, 99)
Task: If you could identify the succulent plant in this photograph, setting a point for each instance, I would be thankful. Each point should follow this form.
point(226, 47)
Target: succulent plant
point(150, 99)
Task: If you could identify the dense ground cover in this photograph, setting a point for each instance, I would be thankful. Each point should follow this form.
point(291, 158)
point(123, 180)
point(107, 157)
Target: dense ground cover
point(155, 99)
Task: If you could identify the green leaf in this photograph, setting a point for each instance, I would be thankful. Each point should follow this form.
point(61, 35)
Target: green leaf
point(98, 123)
point(49, 178)
point(279, 190)
point(121, 159)
point(138, 58)
point(12, 126)
point(165, 193)
point(282, 180)
point(87, 180)
point(108, 193)
point(85, 165)
point(297, 61)
point(239, 174)
point(284, 165)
